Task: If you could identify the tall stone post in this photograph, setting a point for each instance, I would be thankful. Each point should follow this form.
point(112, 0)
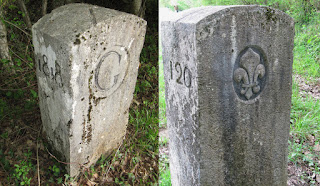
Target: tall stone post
point(87, 64)
point(228, 95)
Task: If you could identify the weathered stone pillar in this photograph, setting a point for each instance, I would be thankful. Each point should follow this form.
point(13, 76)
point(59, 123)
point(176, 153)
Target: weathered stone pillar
point(228, 95)
point(87, 64)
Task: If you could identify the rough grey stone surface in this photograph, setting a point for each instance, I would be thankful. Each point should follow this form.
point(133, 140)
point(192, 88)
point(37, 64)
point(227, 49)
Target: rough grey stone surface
point(228, 95)
point(87, 65)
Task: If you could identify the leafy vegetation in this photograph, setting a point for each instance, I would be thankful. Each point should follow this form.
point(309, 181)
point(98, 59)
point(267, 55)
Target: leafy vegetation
point(307, 49)
point(24, 155)
point(165, 177)
point(304, 142)
point(302, 11)
point(162, 101)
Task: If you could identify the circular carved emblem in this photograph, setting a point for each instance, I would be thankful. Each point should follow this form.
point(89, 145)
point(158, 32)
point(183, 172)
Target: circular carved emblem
point(249, 73)
point(111, 69)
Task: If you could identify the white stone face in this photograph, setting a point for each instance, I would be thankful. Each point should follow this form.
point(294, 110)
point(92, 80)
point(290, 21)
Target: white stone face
point(87, 66)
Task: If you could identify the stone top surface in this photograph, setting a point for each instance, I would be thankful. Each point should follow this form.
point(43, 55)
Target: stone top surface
point(69, 21)
point(195, 15)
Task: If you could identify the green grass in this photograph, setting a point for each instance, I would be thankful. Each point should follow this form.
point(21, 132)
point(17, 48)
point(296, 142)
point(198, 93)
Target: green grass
point(305, 111)
point(162, 100)
point(305, 114)
point(165, 177)
point(305, 133)
point(307, 49)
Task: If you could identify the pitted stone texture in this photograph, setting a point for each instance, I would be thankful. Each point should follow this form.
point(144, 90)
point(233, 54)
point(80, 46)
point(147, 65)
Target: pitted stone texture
point(228, 95)
point(87, 65)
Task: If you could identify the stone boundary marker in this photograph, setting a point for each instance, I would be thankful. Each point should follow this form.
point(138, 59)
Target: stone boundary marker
point(87, 60)
point(228, 95)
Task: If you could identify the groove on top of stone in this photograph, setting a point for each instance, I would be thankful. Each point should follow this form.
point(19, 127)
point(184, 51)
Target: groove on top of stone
point(80, 18)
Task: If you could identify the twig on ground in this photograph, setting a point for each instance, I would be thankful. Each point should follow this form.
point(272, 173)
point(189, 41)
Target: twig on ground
point(27, 47)
point(39, 181)
point(113, 159)
point(3, 168)
point(19, 88)
point(18, 77)
point(19, 57)
point(136, 102)
point(19, 138)
point(66, 163)
point(4, 117)
point(17, 27)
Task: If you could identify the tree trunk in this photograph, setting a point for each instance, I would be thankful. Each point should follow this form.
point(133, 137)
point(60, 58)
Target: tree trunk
point(139, 7)
point(58, 3)
point(26, 14)
point(4, 49)
point(44, 7)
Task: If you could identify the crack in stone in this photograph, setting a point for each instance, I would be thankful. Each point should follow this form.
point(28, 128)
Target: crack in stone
point(93, 18)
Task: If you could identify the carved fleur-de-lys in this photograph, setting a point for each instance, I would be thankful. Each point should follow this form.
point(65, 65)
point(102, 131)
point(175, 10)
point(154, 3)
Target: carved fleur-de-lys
point(248, 73)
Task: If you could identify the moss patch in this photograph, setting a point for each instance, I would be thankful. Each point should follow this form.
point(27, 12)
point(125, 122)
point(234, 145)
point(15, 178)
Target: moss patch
point(77, 41)
point(270, 15)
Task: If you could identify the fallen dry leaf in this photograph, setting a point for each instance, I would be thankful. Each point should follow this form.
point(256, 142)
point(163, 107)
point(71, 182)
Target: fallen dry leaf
point(117, 163)
point(30, 143)
point(95, 175)
point(318, 178)
point(91, 183)
point(316, 148)
point(109, 179)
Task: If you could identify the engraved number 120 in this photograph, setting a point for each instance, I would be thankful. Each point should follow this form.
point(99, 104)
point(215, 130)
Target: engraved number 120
point(183, 74)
